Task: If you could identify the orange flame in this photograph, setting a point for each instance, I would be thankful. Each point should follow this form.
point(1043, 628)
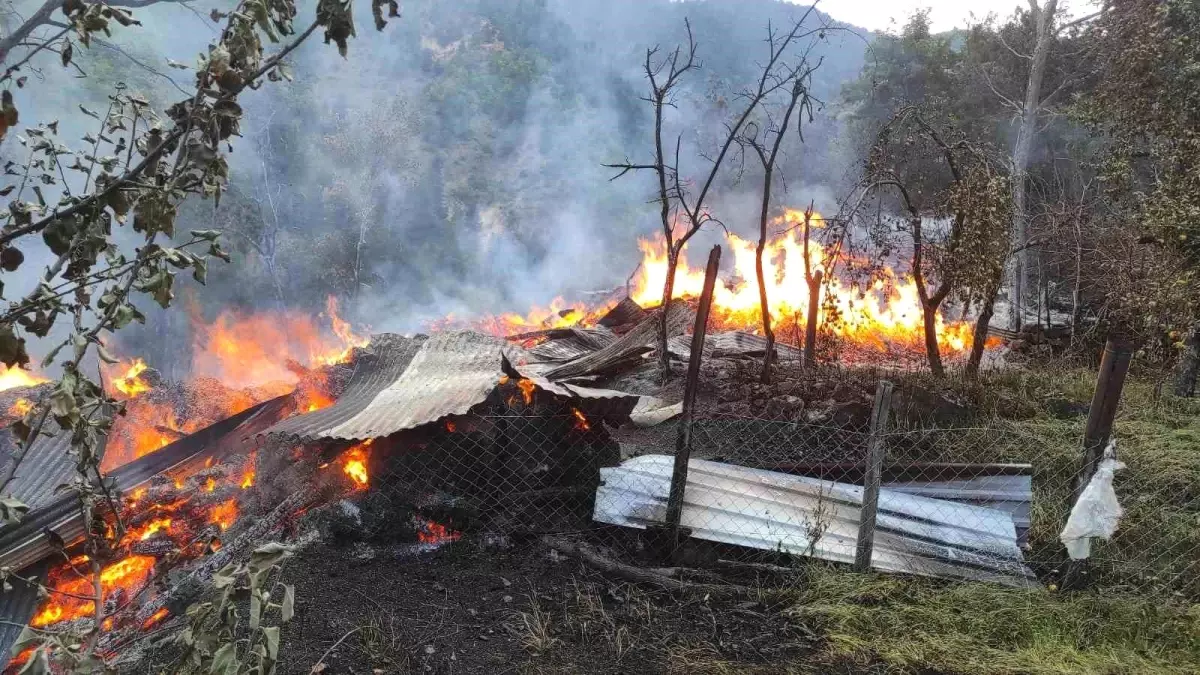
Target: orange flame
point(129, 382)
point(249, 474)
point(224, 514)
point(889, 311)
point(581, 423)
point(560, 314)
point(155, 618)
point(20, 407)
point(247, 350)
point(12, 378)
point(354, 464)
point(128, 573)
point(150, 529)
point(527, 387)
point(429, 532)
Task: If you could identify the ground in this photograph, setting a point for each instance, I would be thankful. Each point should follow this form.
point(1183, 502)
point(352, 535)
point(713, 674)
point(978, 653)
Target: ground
point(517, 609)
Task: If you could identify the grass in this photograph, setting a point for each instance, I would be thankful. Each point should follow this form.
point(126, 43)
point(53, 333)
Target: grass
point(1140, 614)
point(919, 625)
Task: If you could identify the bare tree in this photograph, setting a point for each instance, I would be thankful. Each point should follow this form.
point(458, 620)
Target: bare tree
point(799, 99)
point(1029, 110)
point(676, 207)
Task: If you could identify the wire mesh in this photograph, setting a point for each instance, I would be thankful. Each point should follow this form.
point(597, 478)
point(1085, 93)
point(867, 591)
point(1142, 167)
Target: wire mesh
point(974, 503)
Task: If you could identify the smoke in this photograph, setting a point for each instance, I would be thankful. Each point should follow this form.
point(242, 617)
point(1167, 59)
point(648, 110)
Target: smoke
point(453, 163)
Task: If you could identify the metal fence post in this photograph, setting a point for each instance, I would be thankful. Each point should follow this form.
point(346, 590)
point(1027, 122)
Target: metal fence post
point(683, 441)
point(873, 476)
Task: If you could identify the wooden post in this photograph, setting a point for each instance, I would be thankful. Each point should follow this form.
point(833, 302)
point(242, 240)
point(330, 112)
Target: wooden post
point(1111, 379)
point(810, 330)
point(873, 476)
point(683, 442)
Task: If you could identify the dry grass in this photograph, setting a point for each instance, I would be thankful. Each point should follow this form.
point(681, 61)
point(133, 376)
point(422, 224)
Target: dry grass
point(533, 628)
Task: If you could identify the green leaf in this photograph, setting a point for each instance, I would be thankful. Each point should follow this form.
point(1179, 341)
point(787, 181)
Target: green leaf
point(224, 660)
point(206, 235)
point(256, 603)
point(105, 355)
point(271, 633)
point(288, 607)
point(12, 510)
point(200, 270)
point(12, 348)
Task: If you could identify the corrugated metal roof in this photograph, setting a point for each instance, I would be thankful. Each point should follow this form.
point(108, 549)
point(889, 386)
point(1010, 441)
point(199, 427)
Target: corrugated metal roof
point(731, 343)
point(449, 374)
point(628, 347)
point(24, 542)
point(570, 343)
point(48, 464)
point(389, 357)
point(772, 511)
point(17, 607)
point(1012, 494)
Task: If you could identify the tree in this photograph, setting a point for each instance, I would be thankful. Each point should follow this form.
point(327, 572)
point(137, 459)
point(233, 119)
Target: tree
point(766, 144)
point(1145, 107)
point(677, 208)
point(954, 199)
point(136, 170)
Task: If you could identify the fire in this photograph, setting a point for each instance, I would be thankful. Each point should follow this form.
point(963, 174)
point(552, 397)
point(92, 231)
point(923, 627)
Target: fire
point(354, 464)
point(12, 378)
point(581, 423)
point(527, 387)
point(560, 314)
point(249, 474)
point(20, 407)
point(155, 618)
point(129, 573)
point(889, 311)
point(429, 532)
point(210, 485)
point(224, 514)
point(146, 427)
point(342, 330)
point(129, 382)
point(247, 350)
point(151, 528)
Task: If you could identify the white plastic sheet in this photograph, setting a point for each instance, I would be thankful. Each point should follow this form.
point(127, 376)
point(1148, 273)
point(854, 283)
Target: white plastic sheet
point(1097, 513)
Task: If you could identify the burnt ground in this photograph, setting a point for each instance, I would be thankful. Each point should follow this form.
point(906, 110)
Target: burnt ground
point(517, 608)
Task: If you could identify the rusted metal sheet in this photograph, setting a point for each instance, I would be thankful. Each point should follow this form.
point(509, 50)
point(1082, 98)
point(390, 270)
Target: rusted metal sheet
point(625, 313)
point(772, 511)
point(625, 350)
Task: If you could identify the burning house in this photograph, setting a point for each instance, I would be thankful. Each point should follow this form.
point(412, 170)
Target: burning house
point(522, 426)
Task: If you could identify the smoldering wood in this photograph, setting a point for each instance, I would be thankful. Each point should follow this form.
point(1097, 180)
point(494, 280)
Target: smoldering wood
point(631, 345)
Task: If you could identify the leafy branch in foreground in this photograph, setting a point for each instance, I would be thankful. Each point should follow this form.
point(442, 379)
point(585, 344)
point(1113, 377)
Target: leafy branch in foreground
point(135, 169)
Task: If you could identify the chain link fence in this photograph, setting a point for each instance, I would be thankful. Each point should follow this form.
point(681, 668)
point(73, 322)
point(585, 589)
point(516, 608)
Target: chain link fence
point(983, 502)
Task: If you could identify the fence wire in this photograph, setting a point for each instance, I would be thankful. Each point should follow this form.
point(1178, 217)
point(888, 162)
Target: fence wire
point(979, 503)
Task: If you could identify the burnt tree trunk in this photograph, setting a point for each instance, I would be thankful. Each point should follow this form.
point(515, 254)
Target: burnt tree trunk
point(932, 352)
point(664, 355)
point(1189, 366)
point(979, 337)
point(768, 332)
point(810, 329)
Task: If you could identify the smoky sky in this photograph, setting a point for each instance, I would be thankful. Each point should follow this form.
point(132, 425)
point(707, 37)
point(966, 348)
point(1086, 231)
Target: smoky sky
point(493, 206)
